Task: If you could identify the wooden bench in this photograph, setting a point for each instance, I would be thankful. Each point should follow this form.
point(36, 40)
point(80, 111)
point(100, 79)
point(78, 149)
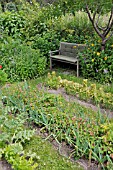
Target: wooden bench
point(67, 53)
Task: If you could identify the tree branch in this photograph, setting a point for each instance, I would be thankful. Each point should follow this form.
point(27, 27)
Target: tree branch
point(101, 28)
point(93, 21)
point(110, 23)
point(111, 15)
point(109, 28)
point(97, 22)
point(109, 36)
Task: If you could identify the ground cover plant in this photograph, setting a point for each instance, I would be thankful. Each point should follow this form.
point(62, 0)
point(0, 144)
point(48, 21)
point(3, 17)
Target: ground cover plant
point(70, 76)
point(82, 90)
point(20, 61)
point(88, 133)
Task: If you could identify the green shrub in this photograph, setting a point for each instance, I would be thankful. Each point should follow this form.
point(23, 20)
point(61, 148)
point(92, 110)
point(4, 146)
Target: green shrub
point(36, 21)
point(47, 41)
point(77, 26)
point(97, 64)
point(45, 32)
point(13, 23)
point(21, 62)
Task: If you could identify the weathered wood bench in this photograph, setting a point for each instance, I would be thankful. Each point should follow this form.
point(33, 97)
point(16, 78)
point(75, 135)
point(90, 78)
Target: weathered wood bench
point(67, 53)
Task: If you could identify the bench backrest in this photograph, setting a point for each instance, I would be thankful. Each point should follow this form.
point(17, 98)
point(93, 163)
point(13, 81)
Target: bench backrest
point(71, 49)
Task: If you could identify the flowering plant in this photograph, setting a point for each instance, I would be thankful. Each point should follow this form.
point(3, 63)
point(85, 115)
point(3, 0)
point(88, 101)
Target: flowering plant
point(97, 64)
point(3, 76)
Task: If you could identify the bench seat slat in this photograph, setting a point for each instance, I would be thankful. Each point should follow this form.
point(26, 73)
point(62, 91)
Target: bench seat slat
point(65, 58)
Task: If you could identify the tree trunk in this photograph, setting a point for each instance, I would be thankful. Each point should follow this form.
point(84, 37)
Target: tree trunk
point(103, 44)
point(3, 6)
point(101, 31)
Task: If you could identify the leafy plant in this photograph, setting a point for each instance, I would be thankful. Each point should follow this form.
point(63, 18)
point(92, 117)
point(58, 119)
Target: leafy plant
point(14, 155)
point(13, 23)
point(82, 91)
point(21, 62)
point(47, 41)
point(96, 64)
point(13, 136)
point(3, 76)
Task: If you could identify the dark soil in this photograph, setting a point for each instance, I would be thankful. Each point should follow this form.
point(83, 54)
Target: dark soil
point(4, 165)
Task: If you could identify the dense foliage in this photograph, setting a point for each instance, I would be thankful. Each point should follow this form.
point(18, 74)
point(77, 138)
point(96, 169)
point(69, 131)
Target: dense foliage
point(3, 76)
point(97, 64)
point(21, 62)
point(12, 23)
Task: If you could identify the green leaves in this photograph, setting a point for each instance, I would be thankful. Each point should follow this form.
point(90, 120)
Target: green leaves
point(14, 154)
point(3, 77)
point(12, 23)
point(23, 136)
point(21, 62)
point(96, 64)
point(12, 137)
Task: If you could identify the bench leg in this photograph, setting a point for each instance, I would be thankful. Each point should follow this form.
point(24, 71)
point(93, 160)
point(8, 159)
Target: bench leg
point(50, 63)
point(77, 68)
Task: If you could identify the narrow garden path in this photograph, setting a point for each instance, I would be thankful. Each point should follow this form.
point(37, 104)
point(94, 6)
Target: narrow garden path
point(71, 98)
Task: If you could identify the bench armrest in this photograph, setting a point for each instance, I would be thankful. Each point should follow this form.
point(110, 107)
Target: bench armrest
point(77, 57)
point(53, 52)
